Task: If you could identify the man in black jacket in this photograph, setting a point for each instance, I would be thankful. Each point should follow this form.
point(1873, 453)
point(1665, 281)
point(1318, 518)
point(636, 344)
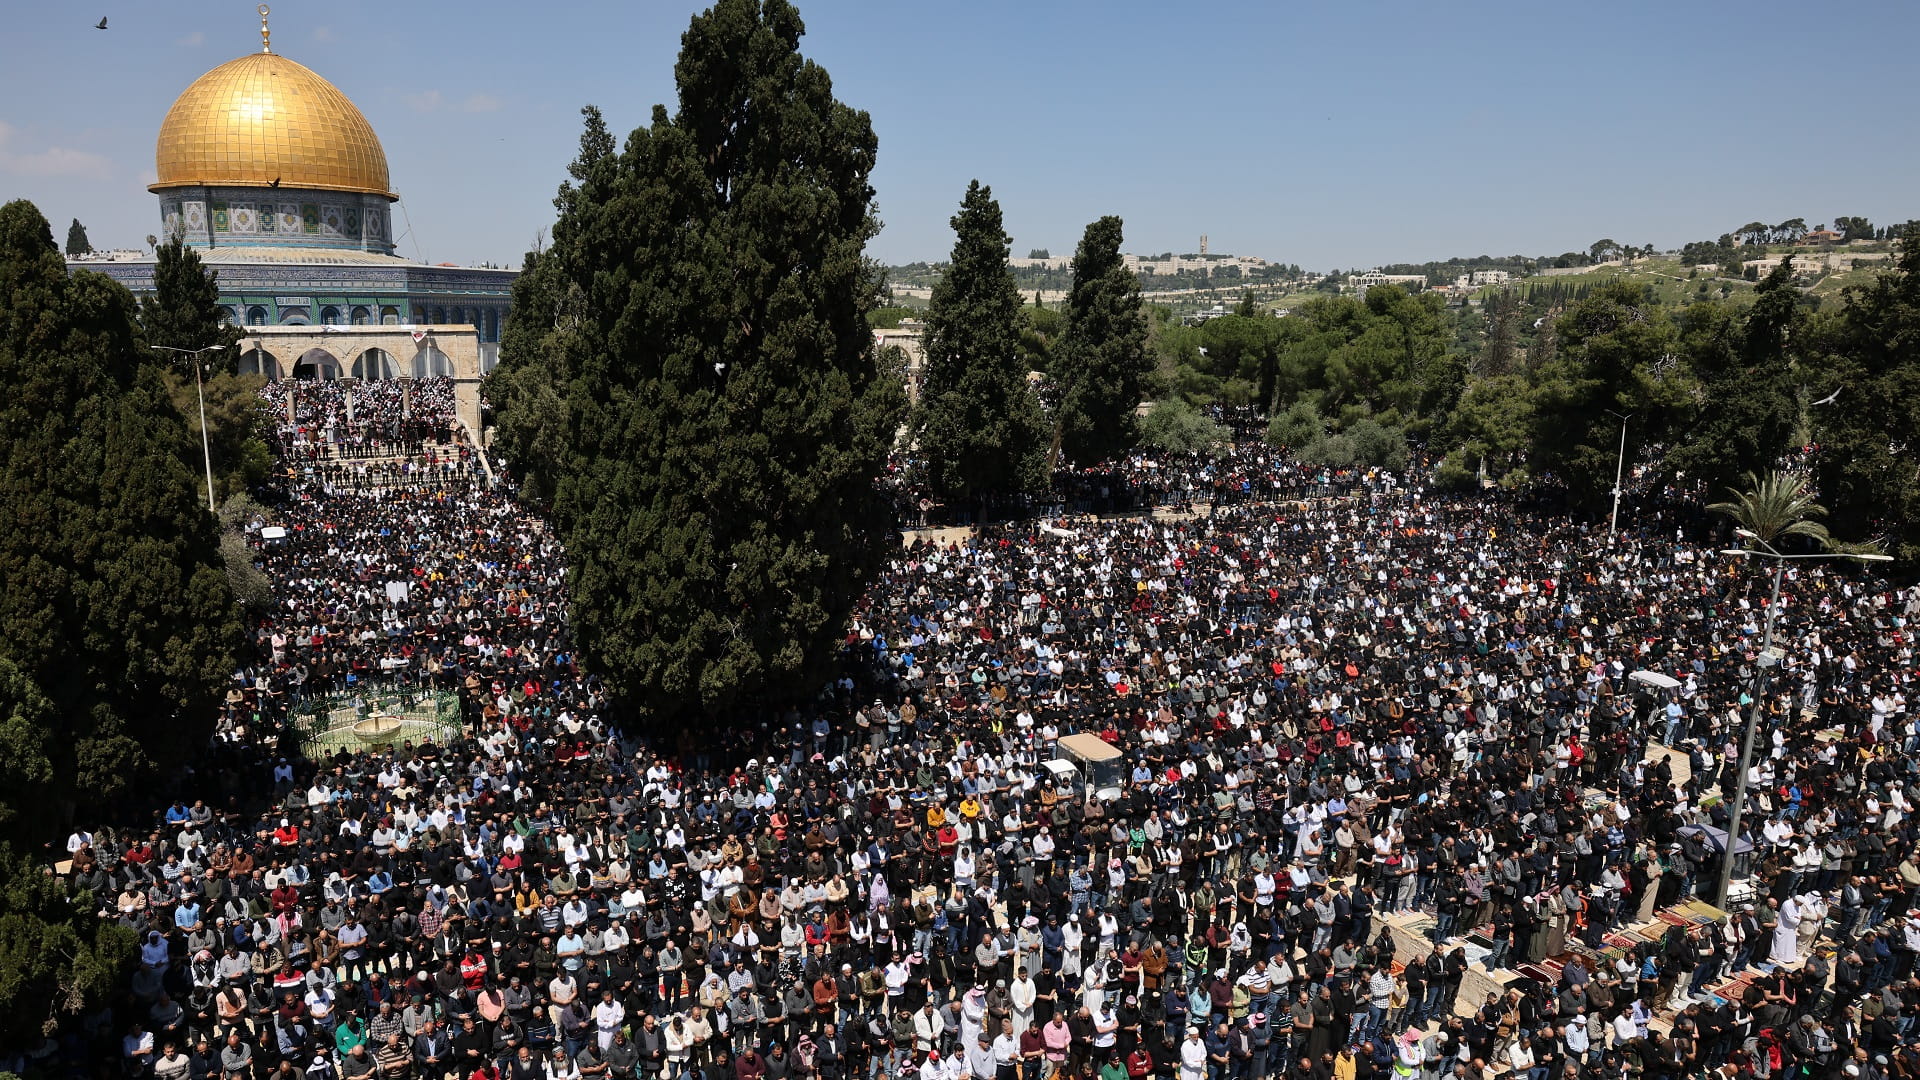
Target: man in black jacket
point(830, 1052)
point(650, 1043)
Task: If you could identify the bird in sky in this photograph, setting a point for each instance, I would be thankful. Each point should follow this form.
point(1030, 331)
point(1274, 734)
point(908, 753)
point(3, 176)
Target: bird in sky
point(102, 24)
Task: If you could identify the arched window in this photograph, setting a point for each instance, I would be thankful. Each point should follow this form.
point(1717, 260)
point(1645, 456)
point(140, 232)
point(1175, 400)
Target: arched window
point(431, 363)
point(389, 316)
point(376, 365)
point(361, 316)
point(295, 317)
point(256, 316)
point(317, 364)
point(329, 316)
point(259, 362)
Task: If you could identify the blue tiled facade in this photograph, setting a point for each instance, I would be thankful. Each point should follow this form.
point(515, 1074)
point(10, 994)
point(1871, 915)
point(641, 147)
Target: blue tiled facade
point(210, 218)
point(279, 293)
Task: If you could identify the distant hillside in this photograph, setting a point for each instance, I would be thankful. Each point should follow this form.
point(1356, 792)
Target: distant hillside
point(1821, 272)
point(1056, 275)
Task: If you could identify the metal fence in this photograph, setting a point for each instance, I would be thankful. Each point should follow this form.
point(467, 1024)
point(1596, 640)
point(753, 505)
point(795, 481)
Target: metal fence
point(365, 719)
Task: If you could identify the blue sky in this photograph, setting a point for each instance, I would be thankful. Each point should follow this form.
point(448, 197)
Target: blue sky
point(1326, 134)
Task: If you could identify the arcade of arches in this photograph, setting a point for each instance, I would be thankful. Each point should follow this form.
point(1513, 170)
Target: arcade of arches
point(372, 353)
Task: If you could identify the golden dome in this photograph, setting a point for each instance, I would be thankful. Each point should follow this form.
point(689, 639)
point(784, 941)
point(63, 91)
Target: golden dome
point(263, 118)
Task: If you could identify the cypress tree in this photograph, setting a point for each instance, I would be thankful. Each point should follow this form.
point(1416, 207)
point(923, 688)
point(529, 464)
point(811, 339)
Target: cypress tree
point(530, 412)
point(700, 322)
point(77, 243)
point(1102, 362)
point(117, 625)
point(117, 606)
point(979, 424)
point(185, 312)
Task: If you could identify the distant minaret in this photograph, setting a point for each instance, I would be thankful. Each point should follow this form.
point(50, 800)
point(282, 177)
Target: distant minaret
point(1203, 243)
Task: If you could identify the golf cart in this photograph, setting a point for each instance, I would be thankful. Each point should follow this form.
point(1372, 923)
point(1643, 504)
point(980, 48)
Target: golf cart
point(1089, 763)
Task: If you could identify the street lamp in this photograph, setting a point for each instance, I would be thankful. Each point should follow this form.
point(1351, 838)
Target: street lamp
point(200, 392)
point(1762, 663)
point(1619, 470)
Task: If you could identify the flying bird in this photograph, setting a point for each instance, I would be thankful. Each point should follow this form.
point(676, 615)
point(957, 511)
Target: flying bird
point(102, 24)
point(274, 183)
point(1830, 398)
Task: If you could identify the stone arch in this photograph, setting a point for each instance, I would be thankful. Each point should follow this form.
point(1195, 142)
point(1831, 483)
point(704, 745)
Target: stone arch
point(260, 362)
point(376, 365)
point(389, 316)
point(295, 317)
point(318, 365)
point(256, 316)
point(431, 363)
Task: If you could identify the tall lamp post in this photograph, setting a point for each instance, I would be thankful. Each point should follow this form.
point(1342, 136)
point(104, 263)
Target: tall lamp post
point(1619, 472)
point(1762, 665)
point(199, 390)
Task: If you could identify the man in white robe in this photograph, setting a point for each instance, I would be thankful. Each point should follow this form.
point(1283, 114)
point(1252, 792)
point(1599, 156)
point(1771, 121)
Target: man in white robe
point(1786, 934)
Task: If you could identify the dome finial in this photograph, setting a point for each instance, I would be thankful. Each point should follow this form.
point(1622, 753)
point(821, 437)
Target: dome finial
point(266, 35)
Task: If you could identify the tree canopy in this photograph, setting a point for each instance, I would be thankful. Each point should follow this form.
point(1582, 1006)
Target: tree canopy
point(77, 242)
point(979, 424)
point(1869, 437)
point(690, 377)
point(117, 626)
point(1174, 426)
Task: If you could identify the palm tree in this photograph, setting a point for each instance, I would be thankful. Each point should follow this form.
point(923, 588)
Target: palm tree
point(1775, 506)
point(1779, 505)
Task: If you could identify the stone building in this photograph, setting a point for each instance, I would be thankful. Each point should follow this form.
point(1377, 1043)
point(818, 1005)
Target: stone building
point(279, 182)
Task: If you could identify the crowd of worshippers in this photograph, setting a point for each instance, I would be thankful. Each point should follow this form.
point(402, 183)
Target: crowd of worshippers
point(360, 419)
point(1243, 472)
point(1332, 712)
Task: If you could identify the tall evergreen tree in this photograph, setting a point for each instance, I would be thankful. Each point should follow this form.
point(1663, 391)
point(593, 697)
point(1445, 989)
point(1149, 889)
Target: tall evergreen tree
point(979, 423)
point(701, 320)
point(185, 312)
point(117, 625)
point(529, 402)
point(1498, 355)
point(117, 604)
point(77, 243)
point(1102, 361)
